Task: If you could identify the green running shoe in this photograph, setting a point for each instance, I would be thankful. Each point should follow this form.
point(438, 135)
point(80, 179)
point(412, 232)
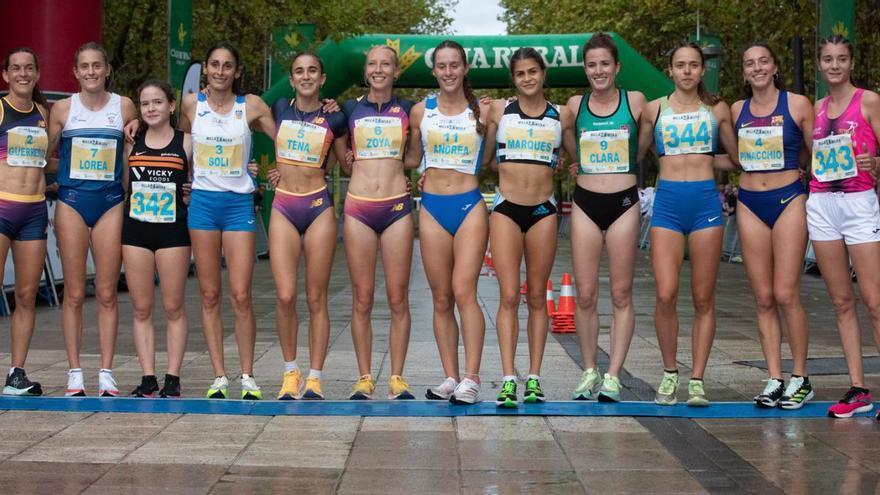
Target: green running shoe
point(507, 396)
point(219, 389)
point(696, 394)
point(610, 389)
point(665, 395)
point(587, 386)
point(534, 394)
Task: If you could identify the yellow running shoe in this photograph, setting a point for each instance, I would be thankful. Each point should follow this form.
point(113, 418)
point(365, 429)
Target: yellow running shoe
point(290, 387)
point(398, 389)
point(363, 389)
point(313, 389)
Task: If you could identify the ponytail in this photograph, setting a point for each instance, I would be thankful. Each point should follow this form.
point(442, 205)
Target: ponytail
point(474, 103)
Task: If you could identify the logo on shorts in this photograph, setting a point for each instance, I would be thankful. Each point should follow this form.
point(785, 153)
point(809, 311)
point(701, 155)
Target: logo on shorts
point(626, 202)
point(541, 210)
point(397, 207)
point(465, 207)
point(786, 200)
point(712, 219)
point(317, 202)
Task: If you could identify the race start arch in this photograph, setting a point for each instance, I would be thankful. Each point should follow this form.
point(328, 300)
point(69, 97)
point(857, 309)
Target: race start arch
point(488, 57)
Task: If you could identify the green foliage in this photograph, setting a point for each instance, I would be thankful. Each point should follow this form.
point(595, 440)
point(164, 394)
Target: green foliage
point(135, 33)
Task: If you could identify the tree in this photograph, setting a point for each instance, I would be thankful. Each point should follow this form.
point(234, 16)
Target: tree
point(135, 33)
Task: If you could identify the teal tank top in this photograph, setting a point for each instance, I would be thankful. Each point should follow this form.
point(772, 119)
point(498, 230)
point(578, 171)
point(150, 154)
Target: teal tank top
point(691, 133)
point(607, 144)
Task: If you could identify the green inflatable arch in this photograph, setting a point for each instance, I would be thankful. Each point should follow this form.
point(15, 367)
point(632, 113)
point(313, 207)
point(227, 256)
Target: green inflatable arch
point(488, 56)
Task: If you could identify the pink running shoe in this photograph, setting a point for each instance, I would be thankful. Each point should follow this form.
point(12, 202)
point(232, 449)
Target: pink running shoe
point(857, 400)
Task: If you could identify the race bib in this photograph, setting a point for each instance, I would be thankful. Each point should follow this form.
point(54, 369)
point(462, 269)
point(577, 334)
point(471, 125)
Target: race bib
point(605, 152)
point(26, 146)
point(93, 159)
point(153, 202)
point(525, 142)
point(301, 142)
point(378, 137)
point(451, 145)
point(834, 158)
point(218, 156)
point(760, 148)
point(686, 133)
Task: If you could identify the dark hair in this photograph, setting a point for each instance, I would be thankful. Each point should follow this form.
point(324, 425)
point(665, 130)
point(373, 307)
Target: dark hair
point(705, 96)
point(169, 93)
point(307, 54)
point(527, 53)
point(600, 40)
point(37, 95)
point(836, 39)
point(225, 45)
point(473, 103)
point(747, 88)
point(91, 45)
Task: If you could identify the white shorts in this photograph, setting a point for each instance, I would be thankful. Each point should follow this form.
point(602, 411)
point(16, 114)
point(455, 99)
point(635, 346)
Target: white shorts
point(853, 217)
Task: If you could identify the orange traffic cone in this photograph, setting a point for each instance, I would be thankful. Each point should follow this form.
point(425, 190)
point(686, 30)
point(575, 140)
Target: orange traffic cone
point(551, 302)
point(488, 266)
point(524, 291)
point(563, 318)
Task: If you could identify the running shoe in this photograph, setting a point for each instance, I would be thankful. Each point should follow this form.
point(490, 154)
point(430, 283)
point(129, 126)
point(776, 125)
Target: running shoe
point(666, 392)
point(507, 396)
point(398, 389)
point(363, 389)
point(443, 391)
point(17, 383)
point(106, 384)
point(171, 388)
point(534, 393)
point(610, 389)
point(312, 390)
point(771, 395)
point(219, 389)
point(797, 393)
point(856, 400)
point(467, 392)
point(291, 385)
point(75, 386)
point(696, 394)
point(249, 388)
point(587, 386)
point(148, 387)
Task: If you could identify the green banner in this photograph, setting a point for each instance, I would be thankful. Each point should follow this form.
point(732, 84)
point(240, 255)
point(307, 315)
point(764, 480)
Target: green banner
point(711, 46)
point(179, 41)
point(835, 17)
point(287, 40)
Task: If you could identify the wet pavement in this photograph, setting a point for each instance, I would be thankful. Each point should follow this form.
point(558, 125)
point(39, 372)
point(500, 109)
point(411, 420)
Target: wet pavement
point(86, 452)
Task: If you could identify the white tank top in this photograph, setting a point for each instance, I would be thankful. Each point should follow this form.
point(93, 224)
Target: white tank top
point(451, 142)
point(221, 148)
point(92, 145)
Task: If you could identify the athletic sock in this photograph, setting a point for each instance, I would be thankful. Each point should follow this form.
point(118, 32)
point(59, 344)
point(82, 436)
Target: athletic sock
point(315, 374)
point(290, 366)
point(507, 378)
point(534, 377)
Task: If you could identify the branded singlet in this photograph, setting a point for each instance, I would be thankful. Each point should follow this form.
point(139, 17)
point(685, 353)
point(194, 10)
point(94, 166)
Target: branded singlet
point(305, 138)
point(771, 143)
point(526, 139)
point(609, 144)
point(378, 130)
point(221, 148)
point(155, 181)
point(685, 133)
point(451, 141)
point(91, 146)
point(836, 142)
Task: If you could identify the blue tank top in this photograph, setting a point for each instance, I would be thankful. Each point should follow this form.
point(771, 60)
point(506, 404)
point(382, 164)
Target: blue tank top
point(771, 143)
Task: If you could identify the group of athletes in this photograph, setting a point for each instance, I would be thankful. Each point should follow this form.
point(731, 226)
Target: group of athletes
point(142, 185)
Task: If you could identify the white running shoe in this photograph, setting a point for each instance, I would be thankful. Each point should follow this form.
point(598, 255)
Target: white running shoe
point(106, 384)
point(75, 384)
point(249, 388)
point(443, 391)
point(467, 392)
